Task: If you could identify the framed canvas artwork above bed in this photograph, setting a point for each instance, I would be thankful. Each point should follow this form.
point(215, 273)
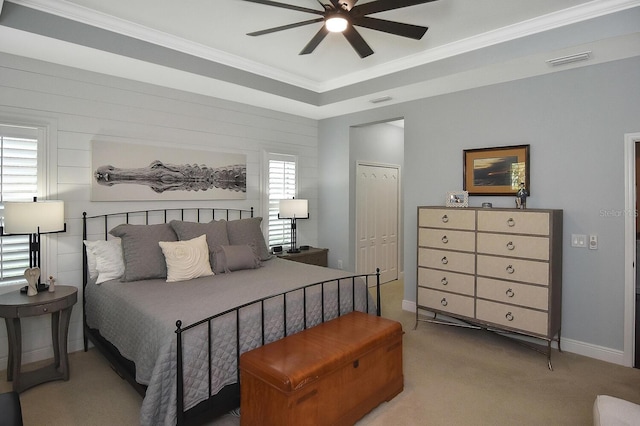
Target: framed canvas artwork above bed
point(131, 172)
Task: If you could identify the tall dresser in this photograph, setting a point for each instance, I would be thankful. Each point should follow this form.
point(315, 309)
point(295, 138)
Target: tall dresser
point(497, 269)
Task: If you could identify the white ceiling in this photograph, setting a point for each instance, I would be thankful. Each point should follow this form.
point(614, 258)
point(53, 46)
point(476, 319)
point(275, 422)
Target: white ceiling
point(509, 34)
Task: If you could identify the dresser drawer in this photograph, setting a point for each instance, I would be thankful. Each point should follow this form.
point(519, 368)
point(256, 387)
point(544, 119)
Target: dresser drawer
point(447, 239)
point(514, 269)
point(516, 222)
point(446, 302)
point(447, 281)
point(447, 218)
point(512, 316)
point(447, 260)
point(525, 295)
point(514, 245)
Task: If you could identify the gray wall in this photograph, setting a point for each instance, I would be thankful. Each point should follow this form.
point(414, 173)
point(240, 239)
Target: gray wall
point(82, 107)
point(574, 120)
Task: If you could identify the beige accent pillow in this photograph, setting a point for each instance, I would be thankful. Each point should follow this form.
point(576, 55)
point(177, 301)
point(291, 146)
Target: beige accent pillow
point(186, 259)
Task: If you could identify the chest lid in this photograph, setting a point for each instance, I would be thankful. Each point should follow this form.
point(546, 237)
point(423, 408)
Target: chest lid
point(299, 359)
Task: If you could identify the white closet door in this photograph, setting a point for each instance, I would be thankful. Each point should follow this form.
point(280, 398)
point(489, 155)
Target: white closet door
point(377, 220)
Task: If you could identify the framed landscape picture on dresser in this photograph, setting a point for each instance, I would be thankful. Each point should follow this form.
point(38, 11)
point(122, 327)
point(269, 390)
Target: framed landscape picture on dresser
point(496, 171)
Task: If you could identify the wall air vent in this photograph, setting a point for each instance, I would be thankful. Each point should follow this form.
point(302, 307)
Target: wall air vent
point(563, 60)
point(381, 99)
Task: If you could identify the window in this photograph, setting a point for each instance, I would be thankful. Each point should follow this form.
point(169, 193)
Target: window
point(18, 182)
point(282, 184)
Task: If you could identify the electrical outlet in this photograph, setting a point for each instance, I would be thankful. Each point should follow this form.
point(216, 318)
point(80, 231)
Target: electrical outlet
point(339, 263)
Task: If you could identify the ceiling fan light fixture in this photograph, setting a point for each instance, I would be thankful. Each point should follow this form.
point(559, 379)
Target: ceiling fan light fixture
point(336, 24)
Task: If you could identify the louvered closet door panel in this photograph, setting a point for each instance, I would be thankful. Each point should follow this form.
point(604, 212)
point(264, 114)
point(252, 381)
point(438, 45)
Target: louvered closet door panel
point(512, 316)
point(446, 302)
point(447, 239)
point(447, 218)
point(509, 292)
point(514, 269)
point(446, 281)
point(535, 223)
point(514, 246)
point(447, 260)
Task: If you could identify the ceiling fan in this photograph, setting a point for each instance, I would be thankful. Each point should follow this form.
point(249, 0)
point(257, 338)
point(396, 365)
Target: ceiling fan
point(343, 15)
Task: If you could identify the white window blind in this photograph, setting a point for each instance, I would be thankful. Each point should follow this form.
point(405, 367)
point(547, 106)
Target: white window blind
point(18, 182)
point(282, 185)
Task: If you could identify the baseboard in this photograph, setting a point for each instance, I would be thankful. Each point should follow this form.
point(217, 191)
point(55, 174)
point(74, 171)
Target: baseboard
point(614, 356)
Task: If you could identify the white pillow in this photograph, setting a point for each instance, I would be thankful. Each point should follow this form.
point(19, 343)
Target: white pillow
point(104, 259)
point(186, 259)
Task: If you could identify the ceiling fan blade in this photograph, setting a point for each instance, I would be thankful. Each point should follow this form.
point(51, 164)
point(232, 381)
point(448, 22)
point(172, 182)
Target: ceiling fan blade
point(287, 6)
point(383, 5)
point(397, 28)
point(357, 42)
point(285, 27)
point(315, 41)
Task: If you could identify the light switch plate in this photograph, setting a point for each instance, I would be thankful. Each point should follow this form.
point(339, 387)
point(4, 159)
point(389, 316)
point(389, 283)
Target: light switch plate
point(593, 242)
point(578, 240)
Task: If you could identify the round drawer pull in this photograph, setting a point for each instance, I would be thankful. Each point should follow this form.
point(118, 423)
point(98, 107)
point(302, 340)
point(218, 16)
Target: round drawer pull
point(510, 269)
point(509, 316)
point(444, 281)
point(444, 302)
point(445, 218)
point(511, 223)
point(444, 260)
point(510, 245)
point(510, 293)
point(445, 240)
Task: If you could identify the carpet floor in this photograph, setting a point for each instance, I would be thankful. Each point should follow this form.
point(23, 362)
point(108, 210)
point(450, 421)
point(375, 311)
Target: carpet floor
point(453, 376)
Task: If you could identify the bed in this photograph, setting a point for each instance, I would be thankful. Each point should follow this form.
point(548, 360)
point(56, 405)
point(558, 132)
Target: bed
point(174, 328)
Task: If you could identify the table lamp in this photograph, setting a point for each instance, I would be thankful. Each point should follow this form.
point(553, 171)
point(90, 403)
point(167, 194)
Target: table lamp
point(293, 209)
point(33, 219)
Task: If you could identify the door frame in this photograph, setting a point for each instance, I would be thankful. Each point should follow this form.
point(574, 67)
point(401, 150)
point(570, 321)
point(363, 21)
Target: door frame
point(398, 208)
point(630, 140)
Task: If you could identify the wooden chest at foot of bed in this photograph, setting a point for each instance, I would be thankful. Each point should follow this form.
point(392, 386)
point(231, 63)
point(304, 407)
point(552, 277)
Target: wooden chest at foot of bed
point(330, 374)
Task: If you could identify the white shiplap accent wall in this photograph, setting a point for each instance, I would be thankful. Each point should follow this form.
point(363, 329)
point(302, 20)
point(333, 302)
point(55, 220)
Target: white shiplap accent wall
point(84, 106)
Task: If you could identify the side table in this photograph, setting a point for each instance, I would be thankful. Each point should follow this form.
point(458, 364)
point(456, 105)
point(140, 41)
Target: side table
point(312, 256)
point(15, 305)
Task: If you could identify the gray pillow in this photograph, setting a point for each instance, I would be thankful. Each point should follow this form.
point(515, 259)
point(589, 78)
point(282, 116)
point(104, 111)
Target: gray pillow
point(143, 257)
point(235, 258)
point(247, 231)
point(216, 232)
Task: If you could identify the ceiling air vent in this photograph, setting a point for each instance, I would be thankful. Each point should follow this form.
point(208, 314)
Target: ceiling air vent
point(381, 99)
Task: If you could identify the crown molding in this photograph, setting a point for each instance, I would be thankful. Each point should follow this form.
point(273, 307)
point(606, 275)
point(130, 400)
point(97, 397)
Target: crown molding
point(576, 14)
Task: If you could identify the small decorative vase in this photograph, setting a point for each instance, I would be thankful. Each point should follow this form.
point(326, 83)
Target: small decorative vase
point(52, 284)
point(521, 197)
point(32, 275)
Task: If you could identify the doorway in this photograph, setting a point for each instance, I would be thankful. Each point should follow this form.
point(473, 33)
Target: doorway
point(377, 150)
point(631, 328)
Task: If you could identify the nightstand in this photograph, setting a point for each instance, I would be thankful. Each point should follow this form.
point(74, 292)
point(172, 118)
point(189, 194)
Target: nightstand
point(15, 305)
point(313, 256)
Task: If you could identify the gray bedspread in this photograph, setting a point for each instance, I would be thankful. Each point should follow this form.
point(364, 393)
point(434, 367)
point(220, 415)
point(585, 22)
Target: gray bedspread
point(139, 318)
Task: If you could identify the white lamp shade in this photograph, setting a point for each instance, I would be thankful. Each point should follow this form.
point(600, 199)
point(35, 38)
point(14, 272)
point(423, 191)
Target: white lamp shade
point(294, 209)
point(33, 216)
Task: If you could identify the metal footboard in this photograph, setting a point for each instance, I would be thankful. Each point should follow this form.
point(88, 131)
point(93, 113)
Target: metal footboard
point(183, 416)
